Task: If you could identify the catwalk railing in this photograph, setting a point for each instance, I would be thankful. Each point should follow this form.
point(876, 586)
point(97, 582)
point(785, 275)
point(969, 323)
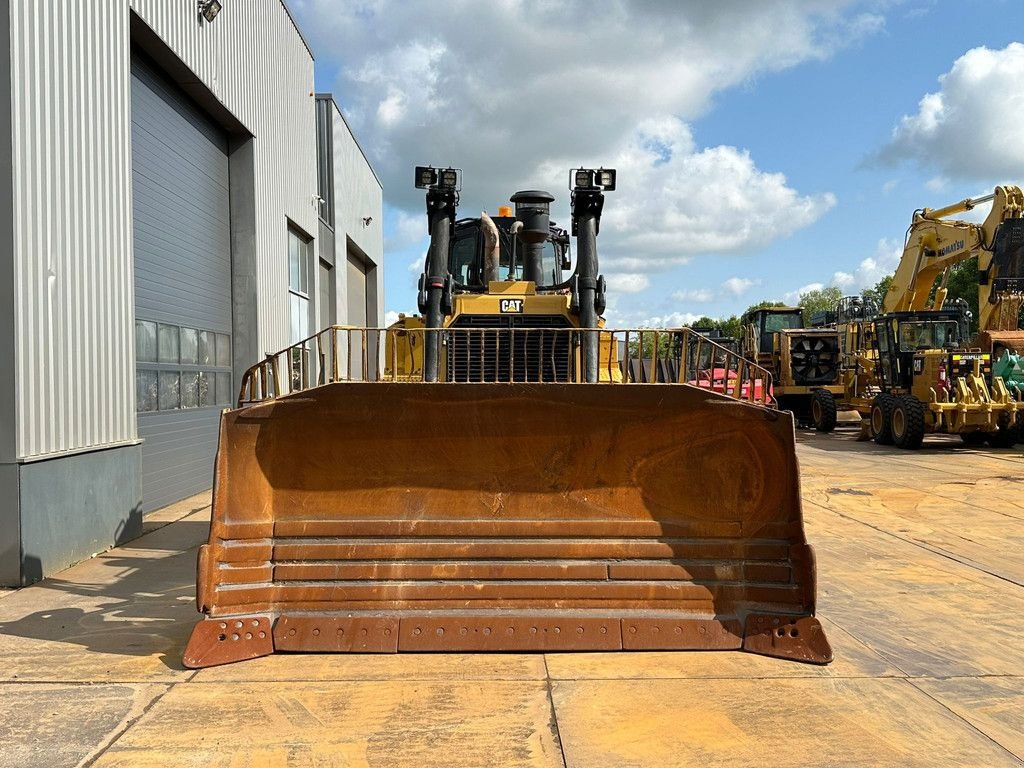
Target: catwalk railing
point(506, 355)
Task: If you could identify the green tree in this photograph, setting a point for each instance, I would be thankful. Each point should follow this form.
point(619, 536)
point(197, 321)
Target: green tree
point(819, 300)
point(763, 305)
point(877, 292)
point(963, 284)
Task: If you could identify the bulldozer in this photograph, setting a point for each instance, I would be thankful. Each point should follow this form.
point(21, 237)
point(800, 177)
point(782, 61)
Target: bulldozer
point(804, 362)
point(490, 475)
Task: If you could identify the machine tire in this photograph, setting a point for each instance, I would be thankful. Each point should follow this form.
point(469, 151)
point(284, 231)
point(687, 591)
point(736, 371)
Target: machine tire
point(823, 410)
point(1007, 435)
point(908, 422)
point(973, 439)
point(881, 418)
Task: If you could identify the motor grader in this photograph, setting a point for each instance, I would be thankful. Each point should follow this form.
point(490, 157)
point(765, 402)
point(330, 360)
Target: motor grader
point(804, 363)
point(917, 371)
point(501, 480)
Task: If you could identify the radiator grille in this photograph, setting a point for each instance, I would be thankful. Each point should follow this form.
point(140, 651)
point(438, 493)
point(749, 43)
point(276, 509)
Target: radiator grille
point(511, 348)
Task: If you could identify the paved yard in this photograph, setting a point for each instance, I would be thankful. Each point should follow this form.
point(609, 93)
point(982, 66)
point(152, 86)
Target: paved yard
point(921, 590)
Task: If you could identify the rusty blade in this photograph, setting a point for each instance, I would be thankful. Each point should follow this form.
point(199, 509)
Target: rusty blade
point(663, 503)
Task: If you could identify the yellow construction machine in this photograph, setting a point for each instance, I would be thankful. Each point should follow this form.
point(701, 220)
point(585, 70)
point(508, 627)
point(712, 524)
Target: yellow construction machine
point(492, 475)
point(916, 371)
point(804, 363)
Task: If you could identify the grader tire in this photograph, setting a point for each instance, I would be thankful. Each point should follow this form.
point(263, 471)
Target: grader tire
point(908, 422)
point(881, 419)
point(823, 410)
point(973, 439)
point(1005, 437)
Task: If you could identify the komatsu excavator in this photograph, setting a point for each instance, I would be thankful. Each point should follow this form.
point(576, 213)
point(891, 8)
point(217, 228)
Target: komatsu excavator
point(501, 480)
point(918, 372)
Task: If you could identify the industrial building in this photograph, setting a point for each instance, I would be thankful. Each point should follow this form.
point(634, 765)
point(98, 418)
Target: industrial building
point(176, 202)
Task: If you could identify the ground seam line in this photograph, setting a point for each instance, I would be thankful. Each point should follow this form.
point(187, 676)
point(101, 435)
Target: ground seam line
point(554, 715)
point(127, 726)
point(926, 547)
point(966, 722)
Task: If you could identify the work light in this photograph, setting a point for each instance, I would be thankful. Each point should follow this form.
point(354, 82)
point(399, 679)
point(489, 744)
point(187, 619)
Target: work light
point(425, 177)
point(589, 178)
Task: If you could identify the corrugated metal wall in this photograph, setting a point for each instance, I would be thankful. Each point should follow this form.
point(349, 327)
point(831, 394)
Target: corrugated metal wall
point(72, 180)
point(72, 237)
point(357, 195)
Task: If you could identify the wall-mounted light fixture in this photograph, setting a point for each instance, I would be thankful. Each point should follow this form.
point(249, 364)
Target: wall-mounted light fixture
point(209, 9)
point(367, 220)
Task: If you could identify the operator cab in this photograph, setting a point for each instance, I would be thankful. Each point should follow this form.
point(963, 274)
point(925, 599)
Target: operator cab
point(466, 257)
point(904, 339)
point(769, 320)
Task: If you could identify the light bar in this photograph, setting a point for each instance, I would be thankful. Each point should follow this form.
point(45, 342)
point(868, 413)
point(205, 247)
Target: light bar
point(428, 177)
point(591, 178)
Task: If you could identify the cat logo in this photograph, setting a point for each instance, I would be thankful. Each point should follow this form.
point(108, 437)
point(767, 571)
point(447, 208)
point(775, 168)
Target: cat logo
point(511, 306)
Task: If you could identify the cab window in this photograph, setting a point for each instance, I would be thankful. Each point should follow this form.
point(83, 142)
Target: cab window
point(464, 261)
point(782, 322)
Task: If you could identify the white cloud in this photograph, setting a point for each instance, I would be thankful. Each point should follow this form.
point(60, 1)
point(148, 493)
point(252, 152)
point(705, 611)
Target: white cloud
point(973, 126)
point(390, 318)
point(698, 295)
point(670, 320)
point(510, 90)
point(676, 201)
point(732, 288)
point(870, 270)
point(737, 286)
point(406, 231)
point(626, 282)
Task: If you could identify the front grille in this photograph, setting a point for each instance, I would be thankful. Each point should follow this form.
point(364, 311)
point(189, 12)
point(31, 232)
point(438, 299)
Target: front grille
point(814, 359)
point(487, 348)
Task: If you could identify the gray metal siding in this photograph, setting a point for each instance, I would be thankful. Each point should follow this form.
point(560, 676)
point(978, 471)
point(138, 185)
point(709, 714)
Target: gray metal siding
point(356, 291)
point(72, 177)
point(182, 242)
point(72, 234)
point(181, 207)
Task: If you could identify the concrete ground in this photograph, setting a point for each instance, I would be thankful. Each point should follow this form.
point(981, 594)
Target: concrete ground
point(921, 591)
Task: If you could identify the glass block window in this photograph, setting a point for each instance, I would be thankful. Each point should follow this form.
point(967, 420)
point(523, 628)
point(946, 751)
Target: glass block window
point(179, 367)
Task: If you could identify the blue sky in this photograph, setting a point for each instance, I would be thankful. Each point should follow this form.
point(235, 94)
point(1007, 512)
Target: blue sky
point(762, 147)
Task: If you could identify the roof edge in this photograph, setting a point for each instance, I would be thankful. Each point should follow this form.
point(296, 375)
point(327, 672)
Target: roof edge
point(327, 96)
point(302, 37)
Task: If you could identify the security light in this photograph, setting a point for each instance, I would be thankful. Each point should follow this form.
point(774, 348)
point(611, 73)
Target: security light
point(209, 9)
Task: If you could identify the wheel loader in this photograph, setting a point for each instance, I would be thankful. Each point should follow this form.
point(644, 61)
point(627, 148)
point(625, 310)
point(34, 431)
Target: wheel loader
point(491, 476)
point(804, 363)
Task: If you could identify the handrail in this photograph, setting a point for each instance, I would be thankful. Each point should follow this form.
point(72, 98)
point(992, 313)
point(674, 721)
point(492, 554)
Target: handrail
point(349, 353)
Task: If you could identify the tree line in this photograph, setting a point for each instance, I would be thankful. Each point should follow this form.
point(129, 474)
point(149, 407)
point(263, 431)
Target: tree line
point(812, 301)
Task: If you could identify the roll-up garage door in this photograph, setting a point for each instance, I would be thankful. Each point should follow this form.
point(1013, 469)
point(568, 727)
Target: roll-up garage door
point(182, 241)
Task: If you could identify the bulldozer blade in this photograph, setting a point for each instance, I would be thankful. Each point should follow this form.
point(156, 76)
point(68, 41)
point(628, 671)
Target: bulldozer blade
point(385, 517)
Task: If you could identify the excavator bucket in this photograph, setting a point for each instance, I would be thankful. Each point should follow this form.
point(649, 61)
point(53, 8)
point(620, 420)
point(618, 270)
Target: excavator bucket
point(386, 516)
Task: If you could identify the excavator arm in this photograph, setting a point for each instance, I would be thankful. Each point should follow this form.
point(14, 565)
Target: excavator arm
point(935, 243)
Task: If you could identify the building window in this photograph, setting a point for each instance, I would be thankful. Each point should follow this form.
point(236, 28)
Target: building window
point(298, 284)
point(178, 368)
